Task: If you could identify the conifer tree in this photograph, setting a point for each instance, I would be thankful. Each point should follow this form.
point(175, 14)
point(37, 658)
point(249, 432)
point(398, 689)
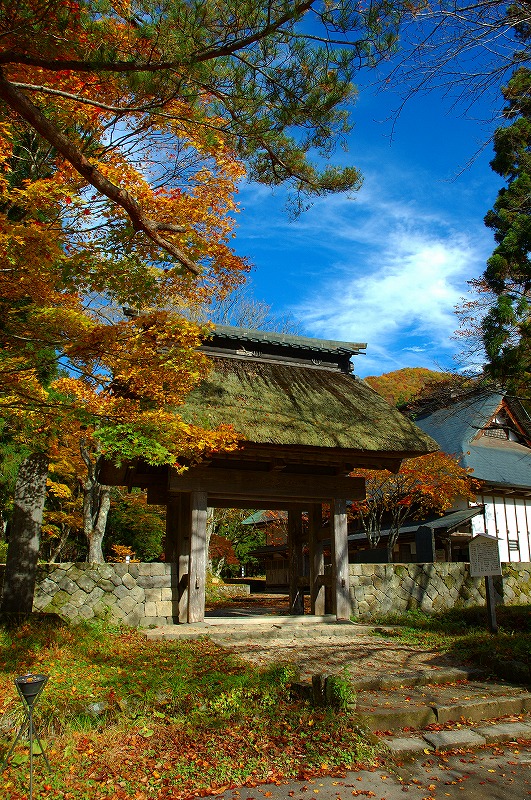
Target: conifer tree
point(507, 325)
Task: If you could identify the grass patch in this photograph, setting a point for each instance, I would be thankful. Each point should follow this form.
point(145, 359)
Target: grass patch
point(125, 717)
point(463, 633)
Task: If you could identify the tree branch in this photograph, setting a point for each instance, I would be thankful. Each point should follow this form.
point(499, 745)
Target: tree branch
point(23, 106)
point(85, 100)
point(14, 57)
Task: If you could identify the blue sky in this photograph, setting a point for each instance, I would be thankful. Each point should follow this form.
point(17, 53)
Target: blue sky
point(388, 266)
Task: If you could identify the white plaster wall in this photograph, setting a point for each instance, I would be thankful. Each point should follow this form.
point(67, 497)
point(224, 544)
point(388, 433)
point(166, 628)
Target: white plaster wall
point(509, 518)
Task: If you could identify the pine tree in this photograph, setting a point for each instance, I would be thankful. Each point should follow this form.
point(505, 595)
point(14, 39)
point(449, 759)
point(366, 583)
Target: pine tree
point(507, 325)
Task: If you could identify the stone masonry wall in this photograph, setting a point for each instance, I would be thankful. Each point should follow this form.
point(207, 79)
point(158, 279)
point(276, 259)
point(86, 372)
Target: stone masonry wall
point(134, 594)
point(142, 594)
point(394, 588)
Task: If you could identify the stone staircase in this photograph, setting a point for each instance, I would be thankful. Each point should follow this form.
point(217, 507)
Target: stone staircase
point(413, 700)
point(411, 713)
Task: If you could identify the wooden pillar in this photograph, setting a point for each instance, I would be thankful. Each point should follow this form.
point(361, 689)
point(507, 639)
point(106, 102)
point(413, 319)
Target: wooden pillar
point(295, 564)
point(183, 563)
point(339, 541)
point(173, 507)
point(198, 557)
point(177, 551)
point(317, 588)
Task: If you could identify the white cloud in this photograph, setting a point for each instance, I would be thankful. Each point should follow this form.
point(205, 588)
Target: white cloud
point(386, 267)
point(397, 275)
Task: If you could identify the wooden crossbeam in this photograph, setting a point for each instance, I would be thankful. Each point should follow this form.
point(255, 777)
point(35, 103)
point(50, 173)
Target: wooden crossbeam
point(257, 485)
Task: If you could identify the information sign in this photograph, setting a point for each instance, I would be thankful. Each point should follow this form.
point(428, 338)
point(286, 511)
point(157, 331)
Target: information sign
point(484, 556)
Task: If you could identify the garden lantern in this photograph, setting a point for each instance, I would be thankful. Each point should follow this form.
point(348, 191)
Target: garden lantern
point(29, 688)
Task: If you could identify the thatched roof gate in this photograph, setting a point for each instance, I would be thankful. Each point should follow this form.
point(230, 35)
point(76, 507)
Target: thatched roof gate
point(306, 423)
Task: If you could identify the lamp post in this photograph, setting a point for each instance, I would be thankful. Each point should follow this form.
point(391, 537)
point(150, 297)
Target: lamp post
point(29, 688)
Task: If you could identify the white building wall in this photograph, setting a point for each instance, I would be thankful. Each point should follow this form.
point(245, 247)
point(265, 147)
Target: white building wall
point(509, 518)
point(523, 521)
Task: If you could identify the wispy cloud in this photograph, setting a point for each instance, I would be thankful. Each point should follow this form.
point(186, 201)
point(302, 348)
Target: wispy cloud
point(396, 273)
point(387, 267)
point(410, 293)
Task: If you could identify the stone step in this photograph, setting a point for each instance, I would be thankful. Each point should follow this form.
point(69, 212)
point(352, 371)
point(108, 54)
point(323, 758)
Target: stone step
point(229, 630)
point(413, 707)
point(410, 713)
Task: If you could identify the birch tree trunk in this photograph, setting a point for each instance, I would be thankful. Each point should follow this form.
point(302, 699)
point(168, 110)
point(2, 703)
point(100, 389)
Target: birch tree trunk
point(25, 536)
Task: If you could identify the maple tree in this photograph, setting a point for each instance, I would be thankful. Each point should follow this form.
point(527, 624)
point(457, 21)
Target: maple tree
point(221, 554)
point(62, 526)
point(134, 524)
point(423, 485)
point(70, 359)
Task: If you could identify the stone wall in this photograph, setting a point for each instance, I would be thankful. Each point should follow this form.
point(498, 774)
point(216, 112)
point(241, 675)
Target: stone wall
point(377, 589)
point(135, 594)
point(142, 594)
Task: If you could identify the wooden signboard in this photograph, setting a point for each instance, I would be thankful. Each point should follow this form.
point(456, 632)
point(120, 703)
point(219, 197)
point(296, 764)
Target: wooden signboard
point(485, 562)
point(484, 556)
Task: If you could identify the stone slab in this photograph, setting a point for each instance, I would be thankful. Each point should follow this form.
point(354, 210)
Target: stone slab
point(446, 740)
point(396, 718)
point(406, 745)
point(488, 708)
point(505, 732)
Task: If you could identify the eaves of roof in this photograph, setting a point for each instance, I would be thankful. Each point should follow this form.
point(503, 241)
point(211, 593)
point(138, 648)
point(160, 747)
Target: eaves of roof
point(288, 340)
point(448, 522)
point(456, 428)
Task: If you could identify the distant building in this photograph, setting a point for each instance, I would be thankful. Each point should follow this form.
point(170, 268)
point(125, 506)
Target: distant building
point(492, 434)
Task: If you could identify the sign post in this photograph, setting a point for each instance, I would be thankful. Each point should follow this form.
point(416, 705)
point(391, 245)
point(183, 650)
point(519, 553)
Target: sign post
point(485, 562)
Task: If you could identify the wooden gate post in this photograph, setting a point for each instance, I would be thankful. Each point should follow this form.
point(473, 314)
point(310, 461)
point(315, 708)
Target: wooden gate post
point(340, 578)
point(176, 552)
point(198, 557)
point(173, 507)
point(183, 564)
point(317, 587)
point(295, 563)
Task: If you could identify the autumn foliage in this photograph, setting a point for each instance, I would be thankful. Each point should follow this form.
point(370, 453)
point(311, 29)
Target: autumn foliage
point(73, 260)
point(399, 386)
point(424, 485)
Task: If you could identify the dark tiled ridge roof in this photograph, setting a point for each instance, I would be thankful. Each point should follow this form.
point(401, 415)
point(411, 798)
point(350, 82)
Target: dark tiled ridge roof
point(287, 340)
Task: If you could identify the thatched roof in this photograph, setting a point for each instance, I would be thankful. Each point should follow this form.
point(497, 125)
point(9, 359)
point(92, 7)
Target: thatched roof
point(281, 404)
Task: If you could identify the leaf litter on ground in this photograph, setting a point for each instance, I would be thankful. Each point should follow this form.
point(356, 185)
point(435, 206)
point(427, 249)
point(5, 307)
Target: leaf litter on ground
point(122, 716)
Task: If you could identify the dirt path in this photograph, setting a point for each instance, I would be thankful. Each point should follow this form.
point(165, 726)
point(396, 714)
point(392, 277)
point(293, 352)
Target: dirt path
point(361, 652)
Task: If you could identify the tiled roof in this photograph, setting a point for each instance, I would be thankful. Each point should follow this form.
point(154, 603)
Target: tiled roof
point(456, 429)
point(287, 340)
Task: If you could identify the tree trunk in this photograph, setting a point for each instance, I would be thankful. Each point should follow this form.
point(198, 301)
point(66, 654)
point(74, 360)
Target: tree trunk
point(25, 535)
point(392, 540)
point(96, 504)
point(56, 551)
